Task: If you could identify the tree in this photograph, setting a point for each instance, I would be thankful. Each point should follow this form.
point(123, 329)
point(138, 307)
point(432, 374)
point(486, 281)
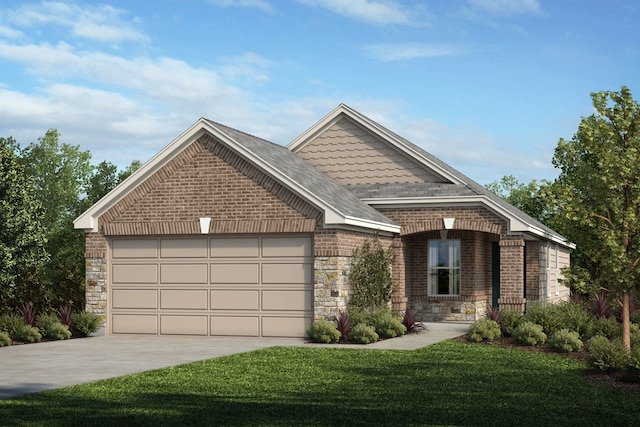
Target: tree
point(600, 189)
point(370, 276)
point(529, 198)
point(22, 236)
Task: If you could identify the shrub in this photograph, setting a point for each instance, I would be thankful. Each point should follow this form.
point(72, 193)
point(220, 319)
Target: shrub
point(363, 334)
point(65, 315)
point(29, 313)
point(529, 333)
point(57, 331)
point(370, 275)
point(84, 323)
point(46, 321)
point(607, 355)
point(10, 323)
point(574, 317)
point(547, 316)
point(607, 326)
point(409, 322)
point(493, 313)
point(323, 331)
point(600, 305)
point(388, 324)
point(28, 334)
point(343, 324)
point(634, 361)
point(635, 335)
point(484, 329)
point(509, 321)
point(359, 316)
point(565, 341)
point(5, 339)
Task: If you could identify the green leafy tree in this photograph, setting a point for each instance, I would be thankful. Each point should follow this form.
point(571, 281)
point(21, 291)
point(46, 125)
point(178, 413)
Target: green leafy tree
point(529, 198)
point(22, 236)
point(600, 189)
point(370, 276)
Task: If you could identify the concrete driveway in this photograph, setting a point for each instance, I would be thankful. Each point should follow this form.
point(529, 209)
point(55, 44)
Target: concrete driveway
point(31, 368)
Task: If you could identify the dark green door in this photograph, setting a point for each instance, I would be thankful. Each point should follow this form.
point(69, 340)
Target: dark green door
point(495, 274)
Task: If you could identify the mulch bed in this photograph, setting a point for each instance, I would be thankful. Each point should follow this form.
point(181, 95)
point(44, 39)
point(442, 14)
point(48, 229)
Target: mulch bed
point(618, 380)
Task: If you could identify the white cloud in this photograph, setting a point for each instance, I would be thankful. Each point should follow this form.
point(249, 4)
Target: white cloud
point(9, 33)
point(389, 52)
point(376, 12)
point(101, 23)
point(258, 4)
point(507, 7)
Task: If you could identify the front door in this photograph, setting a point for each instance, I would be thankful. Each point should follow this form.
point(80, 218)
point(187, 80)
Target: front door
point(495, 274)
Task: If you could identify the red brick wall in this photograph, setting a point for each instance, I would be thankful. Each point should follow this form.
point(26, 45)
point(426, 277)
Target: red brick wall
point(208, 180)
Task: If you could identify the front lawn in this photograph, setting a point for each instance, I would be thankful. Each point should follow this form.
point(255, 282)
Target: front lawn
point(450, 383)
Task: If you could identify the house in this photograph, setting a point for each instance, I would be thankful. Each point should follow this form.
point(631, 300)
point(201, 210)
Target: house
point(224, 233)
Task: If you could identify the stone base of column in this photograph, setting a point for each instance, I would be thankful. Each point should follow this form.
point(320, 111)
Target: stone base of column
point(512, 303)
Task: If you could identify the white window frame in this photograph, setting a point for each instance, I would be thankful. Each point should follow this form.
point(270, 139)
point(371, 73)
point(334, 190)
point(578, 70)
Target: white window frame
point(557, 270)
point(452, 256)
point(548, 263)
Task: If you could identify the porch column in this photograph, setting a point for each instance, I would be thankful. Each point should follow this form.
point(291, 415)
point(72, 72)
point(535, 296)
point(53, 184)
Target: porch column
point(512, 274)
point(398, 298)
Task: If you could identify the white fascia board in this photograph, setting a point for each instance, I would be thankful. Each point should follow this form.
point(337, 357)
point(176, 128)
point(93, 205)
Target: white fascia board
point(516, 225)
point(88, 221)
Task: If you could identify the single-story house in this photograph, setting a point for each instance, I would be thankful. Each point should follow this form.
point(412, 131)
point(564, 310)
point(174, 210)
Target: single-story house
point(224, 233)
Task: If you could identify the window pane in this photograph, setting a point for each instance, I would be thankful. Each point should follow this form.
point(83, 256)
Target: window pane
point(444, 267)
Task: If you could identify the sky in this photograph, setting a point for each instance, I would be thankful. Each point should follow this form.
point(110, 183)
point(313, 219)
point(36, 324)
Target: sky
point(488, 86)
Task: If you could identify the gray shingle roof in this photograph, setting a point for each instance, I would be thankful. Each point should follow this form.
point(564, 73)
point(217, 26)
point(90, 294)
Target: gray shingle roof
point(303, 173)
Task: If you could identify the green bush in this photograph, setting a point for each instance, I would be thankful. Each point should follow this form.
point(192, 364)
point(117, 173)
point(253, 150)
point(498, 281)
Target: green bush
point(57, 331)
point(484, 329)
point(84, 323)
point(529, 333)
point(509, 321)
point(323, 331)
point(388, 324)
point(634, 361)
point(359, 316)
point(574, 317)
point(46, 321)
point(547, 316)
point(363, 334)
point(370, 275)
point(565, 341)
point(607, 355)
point(607, 326)
point(5, 339)
point(635, 335)
point(28, 334)
point(10, 323)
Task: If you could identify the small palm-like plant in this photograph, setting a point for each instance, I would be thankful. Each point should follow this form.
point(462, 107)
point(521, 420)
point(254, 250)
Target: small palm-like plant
point(409, 322)
point(343, 324)
point(29, 313)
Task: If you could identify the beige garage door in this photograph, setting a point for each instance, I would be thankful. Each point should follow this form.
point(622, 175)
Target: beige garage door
point(236, 286)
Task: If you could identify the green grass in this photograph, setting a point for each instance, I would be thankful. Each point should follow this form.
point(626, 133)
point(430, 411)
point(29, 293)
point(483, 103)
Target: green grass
point(450, 383)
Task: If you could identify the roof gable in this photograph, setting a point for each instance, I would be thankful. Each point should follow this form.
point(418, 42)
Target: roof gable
point(340, 207)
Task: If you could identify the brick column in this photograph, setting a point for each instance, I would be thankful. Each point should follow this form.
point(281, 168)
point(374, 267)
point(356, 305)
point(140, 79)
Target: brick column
point(399, 298)
point(512, 274)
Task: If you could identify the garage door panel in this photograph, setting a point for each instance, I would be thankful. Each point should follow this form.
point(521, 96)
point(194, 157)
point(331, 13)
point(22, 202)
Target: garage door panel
point(183, 325)
point(289, 327)
point(134, 324)
point(134, 273)
point(286, 247)
point(287, 273)
point(235, 300)
point(245, 326)
point(183, 248)
point(235, 247)
point(134, 248)
point(235, 273)
point(249, 285)
point(183, 273)
point(286, 300)
point(134, 298)
point(184, 299)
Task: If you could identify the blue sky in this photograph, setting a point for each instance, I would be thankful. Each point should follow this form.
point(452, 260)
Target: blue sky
point(488, 86)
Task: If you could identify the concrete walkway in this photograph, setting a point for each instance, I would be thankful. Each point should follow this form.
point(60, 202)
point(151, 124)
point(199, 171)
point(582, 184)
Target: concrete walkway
point(31, 368)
